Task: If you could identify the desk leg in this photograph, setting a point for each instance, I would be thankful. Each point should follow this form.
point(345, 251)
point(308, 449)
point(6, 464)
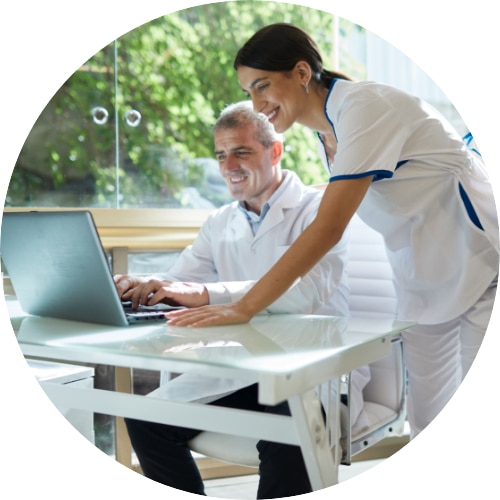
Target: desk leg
point(123, 376)
point(314, 440)
point(123, 383)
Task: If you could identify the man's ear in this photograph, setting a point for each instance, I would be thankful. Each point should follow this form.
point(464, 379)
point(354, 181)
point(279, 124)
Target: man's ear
point(277, 151)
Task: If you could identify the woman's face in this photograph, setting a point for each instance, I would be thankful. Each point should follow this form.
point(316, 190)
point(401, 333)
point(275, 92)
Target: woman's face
point(280, 96)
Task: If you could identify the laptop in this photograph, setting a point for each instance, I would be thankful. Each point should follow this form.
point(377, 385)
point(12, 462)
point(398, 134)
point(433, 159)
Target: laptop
point(59, 269)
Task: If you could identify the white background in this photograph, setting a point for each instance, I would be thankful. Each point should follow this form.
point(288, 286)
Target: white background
point(43, 43)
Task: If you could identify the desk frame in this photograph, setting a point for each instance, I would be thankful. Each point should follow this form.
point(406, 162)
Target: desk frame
point(305, 426)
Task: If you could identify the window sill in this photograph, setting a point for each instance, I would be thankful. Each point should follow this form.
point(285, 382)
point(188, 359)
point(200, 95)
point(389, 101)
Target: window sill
point(141, 229)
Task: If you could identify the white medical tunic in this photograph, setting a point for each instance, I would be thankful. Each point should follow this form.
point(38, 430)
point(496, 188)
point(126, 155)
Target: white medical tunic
point(430, 197)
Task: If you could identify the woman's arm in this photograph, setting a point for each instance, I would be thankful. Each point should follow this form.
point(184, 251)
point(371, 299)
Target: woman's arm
point(340, 201)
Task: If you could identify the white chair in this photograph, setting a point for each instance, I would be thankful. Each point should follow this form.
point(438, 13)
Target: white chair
point(372, 295)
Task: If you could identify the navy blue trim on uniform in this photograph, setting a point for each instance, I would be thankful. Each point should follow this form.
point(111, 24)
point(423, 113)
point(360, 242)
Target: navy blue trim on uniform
point(325, 106)
point(377, 175)
point(331, 124)
point(470, 209)
point(468, 138)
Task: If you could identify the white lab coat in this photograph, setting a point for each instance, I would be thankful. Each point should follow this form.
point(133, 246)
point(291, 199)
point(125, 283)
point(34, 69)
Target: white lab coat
point(229, 259)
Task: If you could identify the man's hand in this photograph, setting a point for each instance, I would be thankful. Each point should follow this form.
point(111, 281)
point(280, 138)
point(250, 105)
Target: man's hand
point(174, 293)
point(127, 285)
point(150, 292)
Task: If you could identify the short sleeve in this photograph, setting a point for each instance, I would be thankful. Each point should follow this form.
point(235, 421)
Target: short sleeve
point(370, 135)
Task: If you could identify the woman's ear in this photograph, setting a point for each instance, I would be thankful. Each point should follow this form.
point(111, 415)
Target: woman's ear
point(303, 71)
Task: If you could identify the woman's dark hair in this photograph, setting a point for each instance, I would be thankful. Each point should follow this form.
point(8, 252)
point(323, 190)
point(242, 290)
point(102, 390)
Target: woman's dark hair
point(278, 47)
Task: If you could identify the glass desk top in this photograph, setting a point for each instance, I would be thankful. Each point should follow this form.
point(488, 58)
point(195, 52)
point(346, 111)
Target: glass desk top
point(279, 343)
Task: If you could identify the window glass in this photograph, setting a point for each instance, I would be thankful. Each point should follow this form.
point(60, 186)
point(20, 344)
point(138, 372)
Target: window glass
point(132, 127)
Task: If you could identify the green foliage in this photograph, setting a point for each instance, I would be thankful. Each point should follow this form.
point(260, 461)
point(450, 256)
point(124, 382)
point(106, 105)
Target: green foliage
point(176, 71)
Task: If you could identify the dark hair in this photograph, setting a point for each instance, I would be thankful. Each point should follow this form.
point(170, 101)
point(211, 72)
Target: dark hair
point(278, 47)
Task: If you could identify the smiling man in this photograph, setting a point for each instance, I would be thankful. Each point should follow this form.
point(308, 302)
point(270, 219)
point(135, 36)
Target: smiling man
point(249, 163)
point(236, 245)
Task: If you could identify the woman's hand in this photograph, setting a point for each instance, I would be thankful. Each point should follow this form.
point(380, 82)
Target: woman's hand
point(225, 314)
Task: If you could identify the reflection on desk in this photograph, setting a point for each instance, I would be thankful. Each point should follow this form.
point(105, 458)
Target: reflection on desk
point(289, 355)
point(286, 346)
point(276, 343)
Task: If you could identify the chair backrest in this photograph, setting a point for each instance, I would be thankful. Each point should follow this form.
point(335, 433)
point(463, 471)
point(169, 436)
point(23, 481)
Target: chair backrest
point(371, 288)
point(372, 295)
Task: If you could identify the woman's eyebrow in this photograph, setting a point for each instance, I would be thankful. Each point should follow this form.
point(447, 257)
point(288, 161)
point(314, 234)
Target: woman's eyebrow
point(255, 82)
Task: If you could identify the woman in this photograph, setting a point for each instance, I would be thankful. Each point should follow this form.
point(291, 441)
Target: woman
point(397, 163)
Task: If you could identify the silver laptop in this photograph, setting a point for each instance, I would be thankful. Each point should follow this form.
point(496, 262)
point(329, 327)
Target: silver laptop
point(59, 269)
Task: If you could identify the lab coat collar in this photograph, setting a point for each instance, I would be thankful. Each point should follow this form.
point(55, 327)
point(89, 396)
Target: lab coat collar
point(289, 196)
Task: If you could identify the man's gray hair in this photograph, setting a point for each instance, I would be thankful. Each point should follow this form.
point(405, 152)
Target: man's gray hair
point(241, 114)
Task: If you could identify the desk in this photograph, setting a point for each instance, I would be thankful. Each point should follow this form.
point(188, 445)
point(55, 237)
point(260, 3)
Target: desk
point(288, 355)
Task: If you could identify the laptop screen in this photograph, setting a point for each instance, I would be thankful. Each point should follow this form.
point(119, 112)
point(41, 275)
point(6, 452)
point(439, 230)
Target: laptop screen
point(58, 267)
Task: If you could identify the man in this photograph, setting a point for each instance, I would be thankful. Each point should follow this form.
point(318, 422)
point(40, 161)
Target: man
point(235, 246)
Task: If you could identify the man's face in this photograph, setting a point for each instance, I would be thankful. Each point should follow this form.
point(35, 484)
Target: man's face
point(251, 171)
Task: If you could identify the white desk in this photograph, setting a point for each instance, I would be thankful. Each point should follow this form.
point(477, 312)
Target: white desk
point(62, 373)
point(288, 355)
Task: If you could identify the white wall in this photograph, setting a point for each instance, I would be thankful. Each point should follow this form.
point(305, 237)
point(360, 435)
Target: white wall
point(387, 64)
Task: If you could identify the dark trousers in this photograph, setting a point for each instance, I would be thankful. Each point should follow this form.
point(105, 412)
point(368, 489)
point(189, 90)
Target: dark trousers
point(165, 457)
